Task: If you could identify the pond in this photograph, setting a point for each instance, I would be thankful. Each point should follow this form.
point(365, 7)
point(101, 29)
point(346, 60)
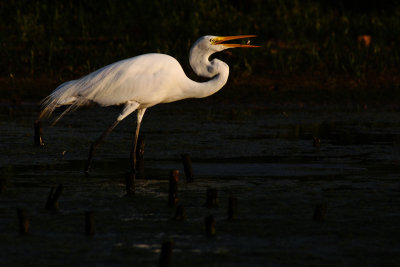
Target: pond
point(263, 156)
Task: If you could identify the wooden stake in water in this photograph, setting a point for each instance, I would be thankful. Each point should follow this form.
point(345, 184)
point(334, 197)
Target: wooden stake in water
point(38, 136)
point(3, 185)
point(130, 183)
point(319, 212)
point(232, 208)
point(140, 158)
point(173, 188)
point(166, 253)
point(209, 222)
point(52, 199)
point(316, 142)
point(187, 166)
point(89, 223)
point(23, 221)
point(180, 213)
point(212, 198)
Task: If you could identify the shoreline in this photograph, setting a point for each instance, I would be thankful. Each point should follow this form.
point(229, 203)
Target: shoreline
point(268, 88)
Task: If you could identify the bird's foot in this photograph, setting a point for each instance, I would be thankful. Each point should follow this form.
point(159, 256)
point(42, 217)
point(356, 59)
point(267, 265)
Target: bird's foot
point(130, 183)
point(87, 167)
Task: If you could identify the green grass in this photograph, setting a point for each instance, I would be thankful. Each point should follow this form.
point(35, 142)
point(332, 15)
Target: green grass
point(61, 40)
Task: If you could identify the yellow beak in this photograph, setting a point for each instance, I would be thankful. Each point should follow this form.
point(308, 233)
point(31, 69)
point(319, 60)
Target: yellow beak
point(220, 40)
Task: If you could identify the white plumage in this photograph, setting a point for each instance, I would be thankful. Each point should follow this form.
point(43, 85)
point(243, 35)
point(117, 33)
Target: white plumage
point(144, 81)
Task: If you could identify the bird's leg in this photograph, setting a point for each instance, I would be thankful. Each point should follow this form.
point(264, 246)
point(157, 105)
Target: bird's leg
point(134, 143)
point(96, 143)
point(129, 107)
point(133, 150)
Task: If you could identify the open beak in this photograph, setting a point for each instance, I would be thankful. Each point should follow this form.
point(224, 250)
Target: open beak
point(220, 40)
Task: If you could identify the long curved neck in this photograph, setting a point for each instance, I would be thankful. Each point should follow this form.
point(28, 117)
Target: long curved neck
point(216, 69)
point(204, 89)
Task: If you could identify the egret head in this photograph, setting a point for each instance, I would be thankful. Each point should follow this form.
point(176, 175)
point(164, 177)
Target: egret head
point(207, 45)
point(217, 43)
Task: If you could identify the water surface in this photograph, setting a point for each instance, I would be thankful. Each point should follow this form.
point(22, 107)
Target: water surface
point(263, 156)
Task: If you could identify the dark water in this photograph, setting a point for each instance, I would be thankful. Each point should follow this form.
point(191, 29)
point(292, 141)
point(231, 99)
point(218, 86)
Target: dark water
point(263, 156)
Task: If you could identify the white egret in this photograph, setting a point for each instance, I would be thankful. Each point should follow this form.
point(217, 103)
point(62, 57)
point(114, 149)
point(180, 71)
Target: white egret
point(142, 82)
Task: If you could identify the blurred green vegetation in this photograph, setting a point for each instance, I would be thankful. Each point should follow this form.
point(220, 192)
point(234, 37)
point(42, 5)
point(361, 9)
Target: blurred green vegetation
point(65, 39)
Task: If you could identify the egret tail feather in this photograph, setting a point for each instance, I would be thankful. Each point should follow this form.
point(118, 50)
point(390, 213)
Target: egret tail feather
point(63, 95)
